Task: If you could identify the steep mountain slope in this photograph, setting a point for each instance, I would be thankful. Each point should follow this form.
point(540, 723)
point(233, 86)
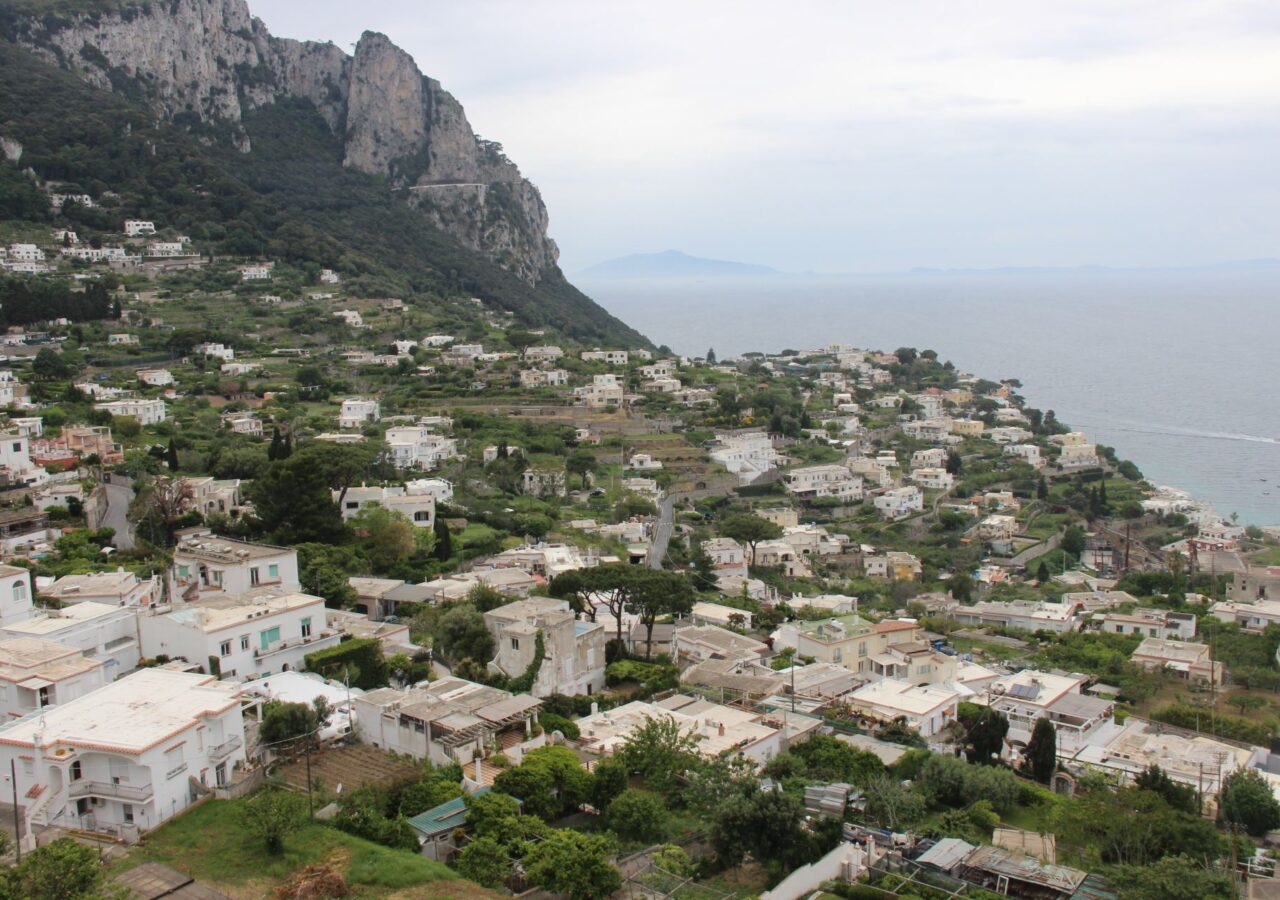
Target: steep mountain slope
point(362, 150)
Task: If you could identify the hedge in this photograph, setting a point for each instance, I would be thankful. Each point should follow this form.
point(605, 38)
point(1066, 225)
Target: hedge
point(361, 658)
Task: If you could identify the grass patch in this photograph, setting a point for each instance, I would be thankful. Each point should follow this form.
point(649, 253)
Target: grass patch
point(210, 844)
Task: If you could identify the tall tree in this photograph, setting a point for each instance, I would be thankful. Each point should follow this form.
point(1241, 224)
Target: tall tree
point(443, 549)
point(986, 731)
point(660, 593)
point(273, 451)
point(750, 529)
point(581, 462)
point(159, 504)
point(1247, 801)
point(293, 502)
point(171, 455)
point(1041, 758)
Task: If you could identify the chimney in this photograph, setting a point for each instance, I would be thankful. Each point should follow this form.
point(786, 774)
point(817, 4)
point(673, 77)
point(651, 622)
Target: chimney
point(480, 771)
point(595, 707)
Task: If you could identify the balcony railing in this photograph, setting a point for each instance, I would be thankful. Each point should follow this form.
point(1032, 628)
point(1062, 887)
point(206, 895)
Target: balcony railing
point(139, 793)
point(226, 748)
point(175, 771)
point(320, 638)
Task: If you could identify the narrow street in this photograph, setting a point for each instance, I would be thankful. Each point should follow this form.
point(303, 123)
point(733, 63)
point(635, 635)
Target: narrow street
point(119, 496)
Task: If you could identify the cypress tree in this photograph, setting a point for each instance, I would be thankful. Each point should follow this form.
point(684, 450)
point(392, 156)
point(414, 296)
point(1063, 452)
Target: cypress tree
point(443, 549)
point(287, 449)
point(171, 456)
point(1041, 757)
point(273, 451)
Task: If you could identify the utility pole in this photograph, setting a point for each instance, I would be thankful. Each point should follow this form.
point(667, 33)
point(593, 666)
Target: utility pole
point(17, 827)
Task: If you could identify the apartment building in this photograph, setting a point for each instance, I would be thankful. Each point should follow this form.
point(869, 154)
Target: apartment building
point(127, 757)
point(204, 564)
point(36, 674)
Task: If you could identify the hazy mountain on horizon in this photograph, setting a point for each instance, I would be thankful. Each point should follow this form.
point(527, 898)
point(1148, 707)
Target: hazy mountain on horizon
point(671, 264)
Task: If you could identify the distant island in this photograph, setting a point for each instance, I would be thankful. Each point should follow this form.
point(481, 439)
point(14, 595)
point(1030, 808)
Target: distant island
point(671, 264)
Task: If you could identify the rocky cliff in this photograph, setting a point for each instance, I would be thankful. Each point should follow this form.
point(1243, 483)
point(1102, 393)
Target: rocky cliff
point(208, 61)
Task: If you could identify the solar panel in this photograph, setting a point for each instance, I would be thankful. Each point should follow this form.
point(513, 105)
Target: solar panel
point(1025, 691)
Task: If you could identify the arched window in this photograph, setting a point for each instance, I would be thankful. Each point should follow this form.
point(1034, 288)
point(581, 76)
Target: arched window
point(19, 591)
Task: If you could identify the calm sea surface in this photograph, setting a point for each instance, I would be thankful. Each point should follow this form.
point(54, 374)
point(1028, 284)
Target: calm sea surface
point(1179, 371)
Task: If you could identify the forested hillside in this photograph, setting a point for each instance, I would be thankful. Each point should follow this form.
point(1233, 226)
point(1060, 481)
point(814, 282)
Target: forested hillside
point(290, 198)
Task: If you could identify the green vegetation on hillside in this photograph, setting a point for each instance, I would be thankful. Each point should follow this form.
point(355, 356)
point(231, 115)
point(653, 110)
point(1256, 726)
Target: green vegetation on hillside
point(290, 198)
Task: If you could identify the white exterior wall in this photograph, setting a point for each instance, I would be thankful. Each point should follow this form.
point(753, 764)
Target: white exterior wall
point(272, 642)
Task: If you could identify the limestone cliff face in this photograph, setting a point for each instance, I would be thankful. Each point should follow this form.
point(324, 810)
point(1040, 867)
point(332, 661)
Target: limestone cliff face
point(210, 60)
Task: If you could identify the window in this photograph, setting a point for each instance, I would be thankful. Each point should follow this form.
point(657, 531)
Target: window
point(515, 644)
point(77, 772)
point(17, 446)
point(224, 649)
point(273, 570)
point(44, 697)
point(20, 590)
point(28, 766)
point(217, 576)
point(836, 656)
point(126, 813)
point(421, 516)
point(244, 642)
point(269, 637)
point(306, 628)
point(184, 571)
point(253, 575)
point(353, 504)
point(862, 649)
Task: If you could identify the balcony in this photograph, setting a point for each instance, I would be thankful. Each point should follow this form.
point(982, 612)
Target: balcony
point(225, 749)
point(317, 641)
point(175, 771)
point(131, 792)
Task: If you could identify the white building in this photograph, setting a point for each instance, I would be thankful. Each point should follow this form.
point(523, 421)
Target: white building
point(147, 410)
point(896, 503)
point(746, 454)
point(15, 595)
point(36, 674)
point(718, 730)
point(933, 479)
point(155, 377)
point(574, 650)
point(99, 631)
point(824, 481)
point(418, 447)
point(118, 588)
point(1154, 623)
point(609, 357)
point(138, 227)
point(205, 565)
point(418, 508)
point(1059, 618)
point(927, 708)
point(246, 636)
point(448, 720)
point(215, 351)
point(125, 758)
point(358, 411)
point(15, 461)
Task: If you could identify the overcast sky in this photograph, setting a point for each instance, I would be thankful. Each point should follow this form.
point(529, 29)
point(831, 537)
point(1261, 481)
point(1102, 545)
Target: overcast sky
point(865, 136)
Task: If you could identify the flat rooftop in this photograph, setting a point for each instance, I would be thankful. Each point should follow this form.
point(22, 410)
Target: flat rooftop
point(904, 697)
point(217, 613)
point(127, 716)
point(224, 550)
point(24, 658)
point(68, 617)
